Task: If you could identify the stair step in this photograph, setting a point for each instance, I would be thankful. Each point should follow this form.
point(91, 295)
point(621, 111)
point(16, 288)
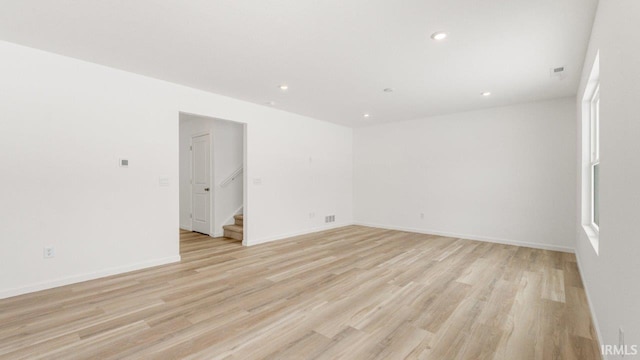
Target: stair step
point(239, 220)
point(233, 232)
point(233, 235)
point(234, 228)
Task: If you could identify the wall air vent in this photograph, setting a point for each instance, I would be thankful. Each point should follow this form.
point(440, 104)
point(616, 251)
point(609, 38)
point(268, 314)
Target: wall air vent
point(559, 72)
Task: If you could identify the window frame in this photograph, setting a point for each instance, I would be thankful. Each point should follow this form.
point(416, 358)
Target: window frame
point(590, 156)
point(594, 151)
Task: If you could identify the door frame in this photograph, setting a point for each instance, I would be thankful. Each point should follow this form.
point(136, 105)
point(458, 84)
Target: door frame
point(246, 191)
point(211, 177)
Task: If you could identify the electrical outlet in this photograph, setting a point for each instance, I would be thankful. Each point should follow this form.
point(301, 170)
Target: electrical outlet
point(49, 252)
point(312, 215)
point(421, 216)
point(329, 218)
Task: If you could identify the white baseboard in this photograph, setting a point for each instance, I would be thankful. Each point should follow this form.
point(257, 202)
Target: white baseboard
point(297, 233)
point(471, 237)
point(419, 231)
point(87, 276)
point(594, 319)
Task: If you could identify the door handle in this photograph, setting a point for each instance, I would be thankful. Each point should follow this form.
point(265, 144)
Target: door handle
point(206, 189)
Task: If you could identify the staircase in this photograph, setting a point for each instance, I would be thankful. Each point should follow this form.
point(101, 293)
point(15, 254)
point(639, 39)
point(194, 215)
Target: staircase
point(235, 231)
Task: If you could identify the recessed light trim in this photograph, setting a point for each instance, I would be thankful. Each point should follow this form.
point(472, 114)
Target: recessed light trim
point(388, 90)
point(284, 87)
point(366, 115)
point(486, 93)
point(439, 35)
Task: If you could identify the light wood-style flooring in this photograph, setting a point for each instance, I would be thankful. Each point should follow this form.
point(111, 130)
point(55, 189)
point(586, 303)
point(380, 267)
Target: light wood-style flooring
point(349, 293)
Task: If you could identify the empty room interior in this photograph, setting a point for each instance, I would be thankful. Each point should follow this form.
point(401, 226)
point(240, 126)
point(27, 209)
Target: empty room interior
point(299, 179)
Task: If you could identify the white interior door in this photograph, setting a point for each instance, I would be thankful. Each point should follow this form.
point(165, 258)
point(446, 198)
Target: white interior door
point(200, 184)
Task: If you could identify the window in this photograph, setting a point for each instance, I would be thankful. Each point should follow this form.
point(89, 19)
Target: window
point(591, 156)
point(594, 147)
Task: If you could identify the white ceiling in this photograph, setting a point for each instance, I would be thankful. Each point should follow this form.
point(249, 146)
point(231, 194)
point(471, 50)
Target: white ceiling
point(336, 55)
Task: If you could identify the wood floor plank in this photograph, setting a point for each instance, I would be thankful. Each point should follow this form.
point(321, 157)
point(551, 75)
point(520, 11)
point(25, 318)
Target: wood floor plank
point(348, 293)
point(553, 285)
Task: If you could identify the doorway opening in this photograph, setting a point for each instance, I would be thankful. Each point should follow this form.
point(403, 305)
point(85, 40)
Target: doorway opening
point(212, 167)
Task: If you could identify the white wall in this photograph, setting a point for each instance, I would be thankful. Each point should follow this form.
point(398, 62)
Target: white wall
point(65, 123)
point(227, 151)
point(611, 278)
point(504, 174)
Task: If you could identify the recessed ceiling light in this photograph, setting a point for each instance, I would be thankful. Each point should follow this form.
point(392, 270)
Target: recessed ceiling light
point(284, 87)
point(388, 90)
point(486, 93)
point(440, 35)
point(366, 116)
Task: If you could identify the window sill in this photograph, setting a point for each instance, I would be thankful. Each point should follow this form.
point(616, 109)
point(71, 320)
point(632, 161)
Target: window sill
point(594, 237)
